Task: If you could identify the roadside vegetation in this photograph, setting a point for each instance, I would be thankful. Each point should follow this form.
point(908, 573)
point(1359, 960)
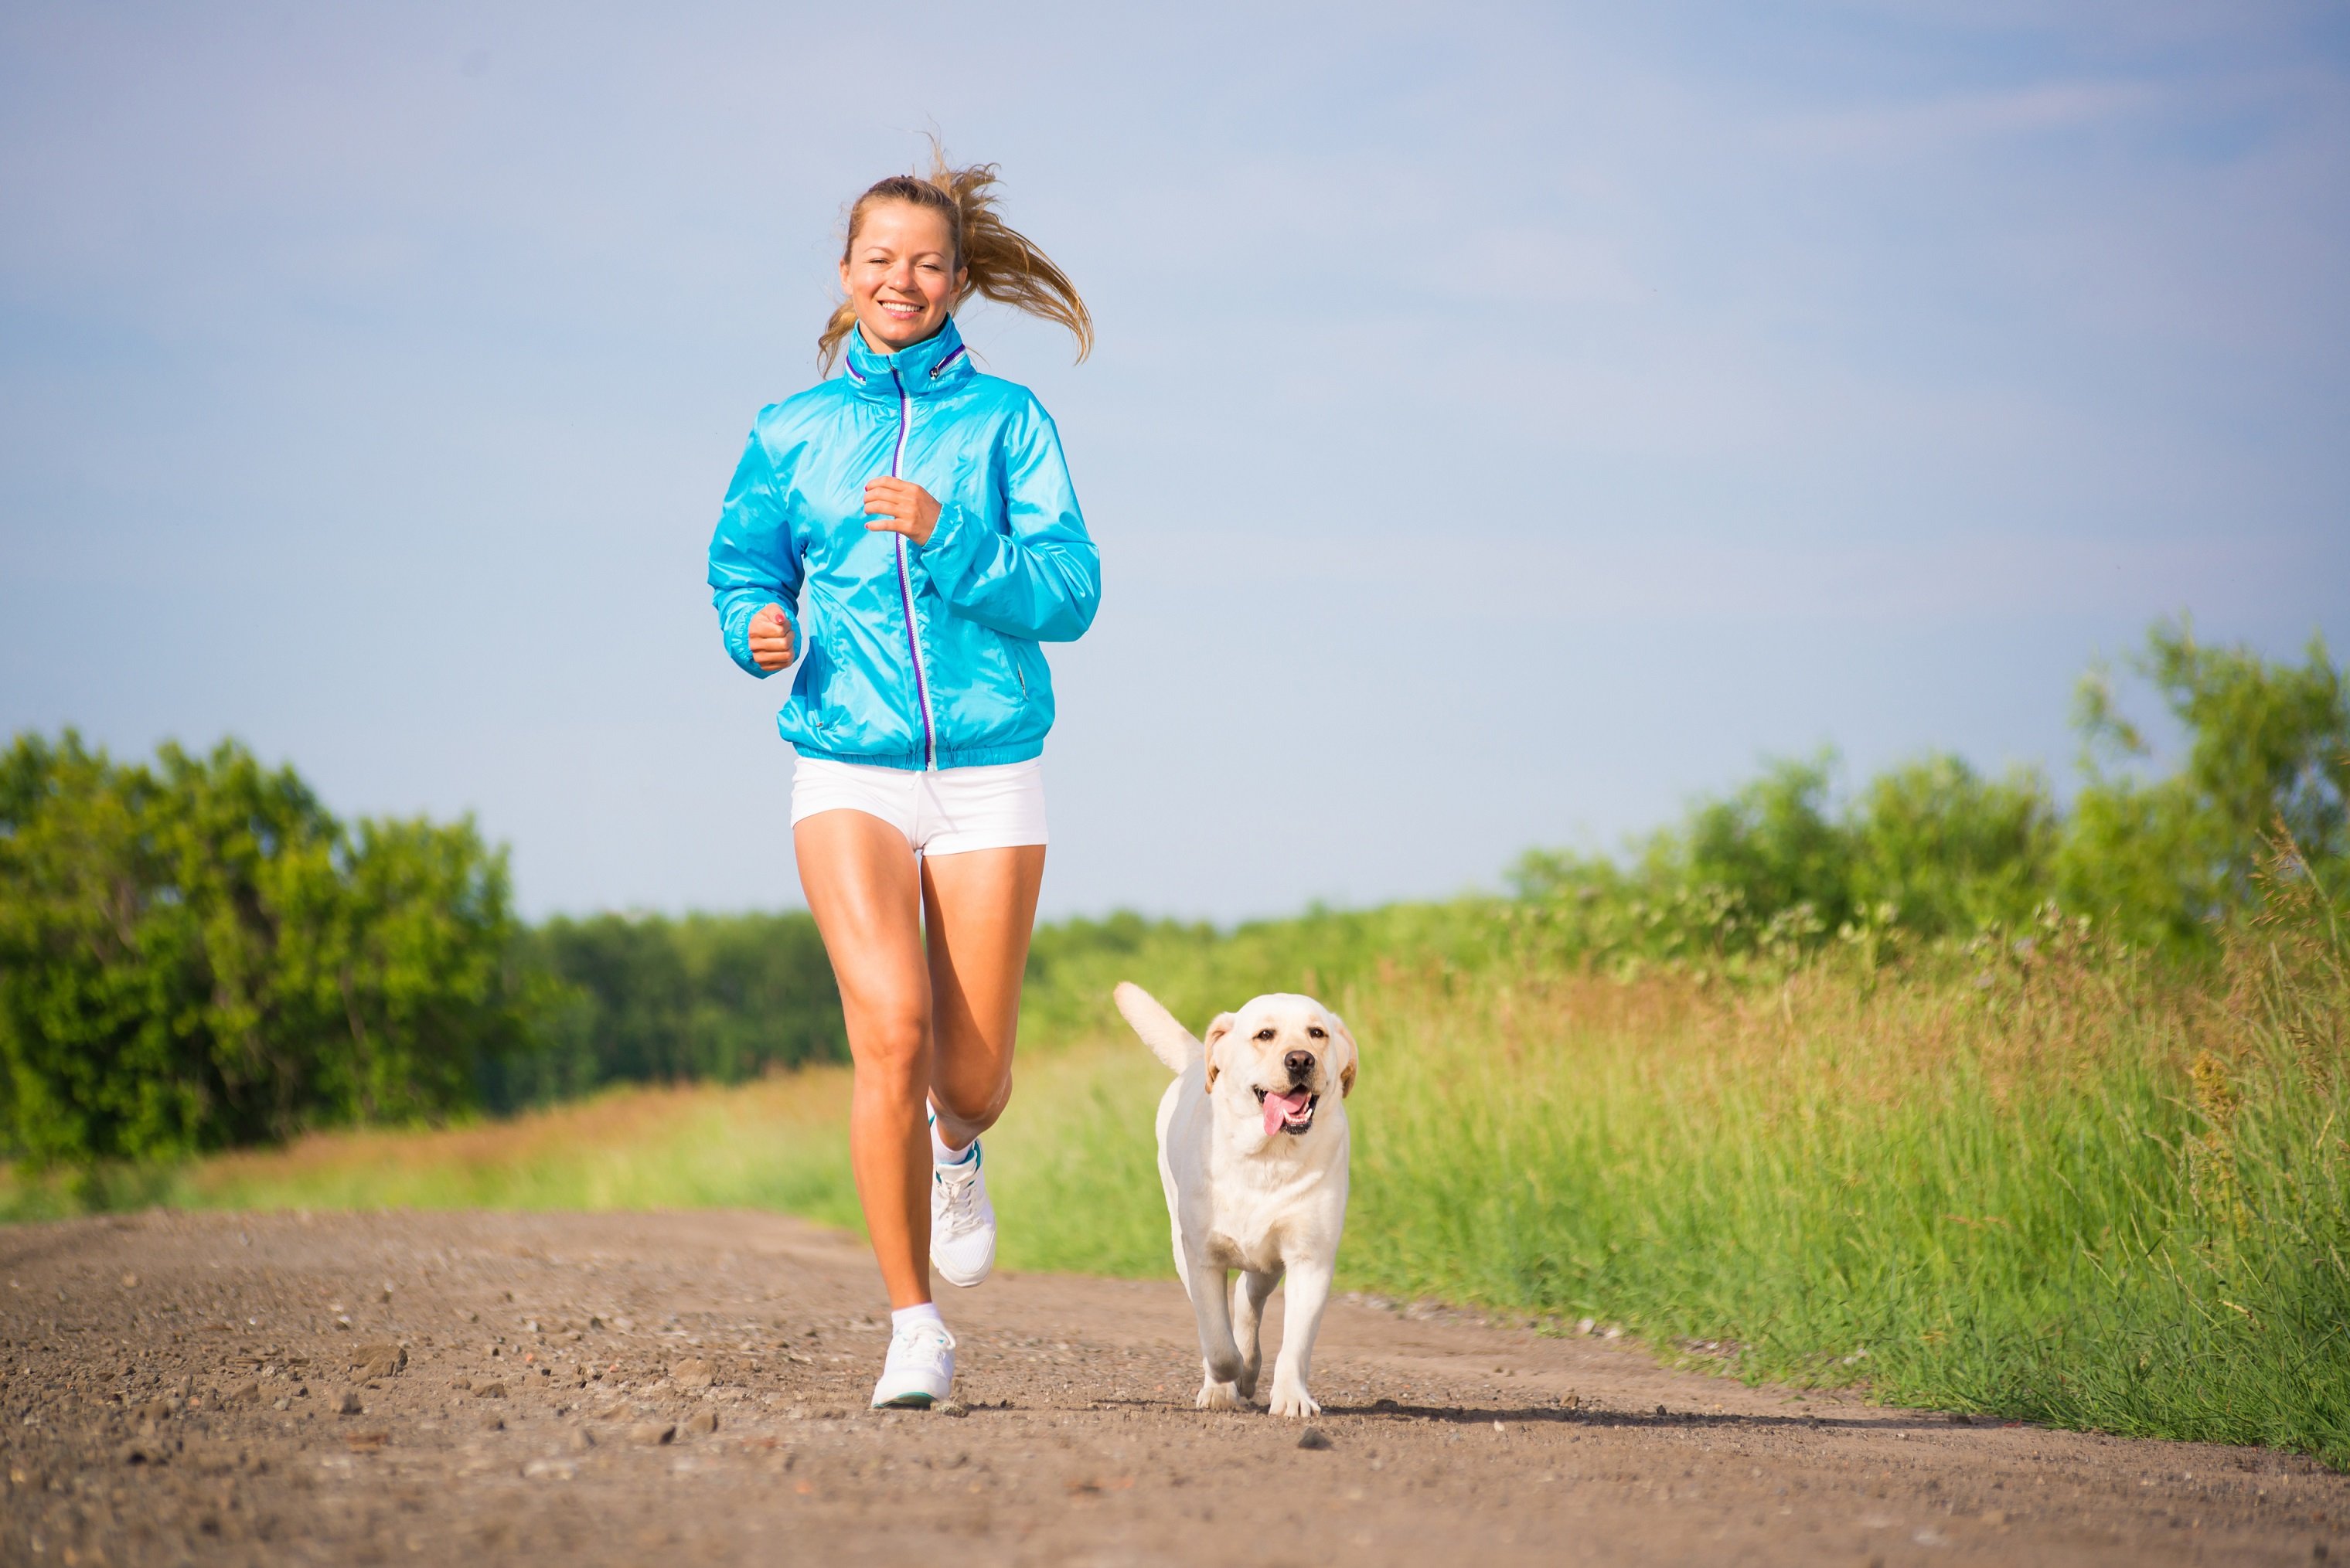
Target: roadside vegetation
point(1986, 1102)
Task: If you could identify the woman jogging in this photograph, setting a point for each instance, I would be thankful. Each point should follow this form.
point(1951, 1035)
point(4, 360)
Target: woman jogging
point(906, 533)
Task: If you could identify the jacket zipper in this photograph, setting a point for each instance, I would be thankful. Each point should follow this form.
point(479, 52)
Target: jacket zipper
point(906, 585)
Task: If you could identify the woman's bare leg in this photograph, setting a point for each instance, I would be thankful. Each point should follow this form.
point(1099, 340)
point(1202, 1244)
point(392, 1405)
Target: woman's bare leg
point(863, 886)
point(870, 901)
point(979, 908)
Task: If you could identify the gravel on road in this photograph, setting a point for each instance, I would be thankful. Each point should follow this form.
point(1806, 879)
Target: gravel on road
point(609, 1388)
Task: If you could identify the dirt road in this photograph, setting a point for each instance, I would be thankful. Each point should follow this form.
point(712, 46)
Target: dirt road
point(623, 1388)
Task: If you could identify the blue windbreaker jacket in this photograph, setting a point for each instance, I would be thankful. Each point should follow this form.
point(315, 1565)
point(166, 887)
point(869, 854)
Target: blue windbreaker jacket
point(911, 656)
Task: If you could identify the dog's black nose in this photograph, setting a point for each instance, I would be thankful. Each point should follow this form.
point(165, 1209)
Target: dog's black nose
point(1300, 1065)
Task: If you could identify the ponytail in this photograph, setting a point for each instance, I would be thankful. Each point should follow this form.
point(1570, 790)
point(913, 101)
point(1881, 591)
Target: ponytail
point(998, 261)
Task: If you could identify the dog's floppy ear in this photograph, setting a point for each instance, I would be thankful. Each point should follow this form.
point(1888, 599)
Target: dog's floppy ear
point(1215, 1037)
point(1347, 1054)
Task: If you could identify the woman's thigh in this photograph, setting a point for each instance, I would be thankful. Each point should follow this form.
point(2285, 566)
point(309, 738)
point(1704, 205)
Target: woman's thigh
point(864, 888)
point(981, 906)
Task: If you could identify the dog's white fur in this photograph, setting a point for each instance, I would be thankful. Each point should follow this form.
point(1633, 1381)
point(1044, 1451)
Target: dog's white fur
point(1239, 1198)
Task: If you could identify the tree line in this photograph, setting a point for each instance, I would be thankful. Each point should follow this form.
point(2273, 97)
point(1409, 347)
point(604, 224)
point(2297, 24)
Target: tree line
point(195, 953)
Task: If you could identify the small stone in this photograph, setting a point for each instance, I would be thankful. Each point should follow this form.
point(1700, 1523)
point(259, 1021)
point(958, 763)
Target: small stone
point(349, 1405)
point(692, 1373)
point(491, 1391)
point(582, 1439)
point(1961, 1419)
point(378, 1360)
point(1312, 1437)
point(155, 1409)
point(550, 1469)
point(245, 1393)
point(652, 1434)
point(129, 1282)
point(702, 1423)
point(494, 1423)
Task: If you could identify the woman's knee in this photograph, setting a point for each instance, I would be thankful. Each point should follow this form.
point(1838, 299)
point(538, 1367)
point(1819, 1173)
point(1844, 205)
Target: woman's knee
point(977, 1110)
point(891, 1054)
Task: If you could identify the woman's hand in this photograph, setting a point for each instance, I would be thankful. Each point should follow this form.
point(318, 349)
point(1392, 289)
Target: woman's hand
point(901, 507)
point(771, 639)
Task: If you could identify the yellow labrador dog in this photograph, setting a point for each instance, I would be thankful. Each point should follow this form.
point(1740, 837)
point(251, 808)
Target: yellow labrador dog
point(1252, 1153)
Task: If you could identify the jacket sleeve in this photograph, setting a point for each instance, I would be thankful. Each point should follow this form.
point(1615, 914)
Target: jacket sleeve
point(1041, 577)
point(753, 562)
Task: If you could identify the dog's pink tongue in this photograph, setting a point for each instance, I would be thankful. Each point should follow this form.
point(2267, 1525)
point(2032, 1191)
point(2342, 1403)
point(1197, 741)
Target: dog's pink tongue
point(1281, 1109)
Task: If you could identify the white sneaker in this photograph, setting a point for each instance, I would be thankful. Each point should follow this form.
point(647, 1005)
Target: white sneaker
point(920, 1369)
point(962, 1222)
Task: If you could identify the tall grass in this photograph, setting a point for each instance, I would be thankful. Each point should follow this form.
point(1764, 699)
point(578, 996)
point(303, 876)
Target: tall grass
point(780, 1143)
point(2059, 1186)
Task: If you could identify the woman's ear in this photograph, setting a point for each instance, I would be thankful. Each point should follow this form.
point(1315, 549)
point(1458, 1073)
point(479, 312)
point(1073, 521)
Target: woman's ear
point(1215, 1037)
point(1349, 1055)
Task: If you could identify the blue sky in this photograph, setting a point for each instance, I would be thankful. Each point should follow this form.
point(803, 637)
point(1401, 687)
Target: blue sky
point(1508, 423)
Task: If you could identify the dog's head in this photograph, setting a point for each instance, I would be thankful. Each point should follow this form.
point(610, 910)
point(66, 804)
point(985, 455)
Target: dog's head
point(1284, 1053)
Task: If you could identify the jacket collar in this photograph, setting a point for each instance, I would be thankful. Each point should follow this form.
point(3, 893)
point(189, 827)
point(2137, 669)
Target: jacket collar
point(936, 363)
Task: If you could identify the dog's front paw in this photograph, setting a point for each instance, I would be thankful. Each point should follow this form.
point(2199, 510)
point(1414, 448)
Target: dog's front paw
point(1246, 1382)
point(1215, 1396)
point(1292, 1399)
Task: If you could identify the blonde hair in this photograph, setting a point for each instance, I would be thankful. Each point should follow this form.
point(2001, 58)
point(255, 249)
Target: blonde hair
point(998, 261)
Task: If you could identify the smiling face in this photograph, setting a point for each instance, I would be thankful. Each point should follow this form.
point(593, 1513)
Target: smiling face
point(900, 273)
point(1277, 1057)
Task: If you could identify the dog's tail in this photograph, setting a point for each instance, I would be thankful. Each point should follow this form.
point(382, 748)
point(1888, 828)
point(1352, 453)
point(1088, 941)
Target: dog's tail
point(1169, 1041)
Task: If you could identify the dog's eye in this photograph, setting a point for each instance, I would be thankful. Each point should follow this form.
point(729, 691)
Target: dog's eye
point(1316, 1031)
point(1264, 1034)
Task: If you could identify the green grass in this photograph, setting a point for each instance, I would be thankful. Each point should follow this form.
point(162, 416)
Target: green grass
point(2038, 1181)
point(2082, 1194)
point(779, 1144)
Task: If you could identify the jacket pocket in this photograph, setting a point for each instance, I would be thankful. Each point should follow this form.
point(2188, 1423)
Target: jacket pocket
point(1019, 656)
point(809, 688)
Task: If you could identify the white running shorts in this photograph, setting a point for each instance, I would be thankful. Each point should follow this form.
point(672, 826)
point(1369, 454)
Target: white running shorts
point(945, 812)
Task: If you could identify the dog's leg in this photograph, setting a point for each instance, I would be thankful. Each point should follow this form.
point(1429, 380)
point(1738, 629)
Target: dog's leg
point(1309, 1293)
point(1219, 1358)
point(1248, 1317)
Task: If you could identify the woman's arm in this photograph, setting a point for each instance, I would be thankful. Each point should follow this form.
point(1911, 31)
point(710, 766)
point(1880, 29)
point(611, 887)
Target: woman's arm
point(1041, 580)
point(753, 563)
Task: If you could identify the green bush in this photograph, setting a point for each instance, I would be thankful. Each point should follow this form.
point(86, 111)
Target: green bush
point(1933, 852)
point(2268, 752)
point(197, 954)
point(646, 999)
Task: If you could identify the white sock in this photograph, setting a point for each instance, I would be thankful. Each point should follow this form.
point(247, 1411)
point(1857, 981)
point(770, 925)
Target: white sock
point(905, 1317)
point(941, 1154)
